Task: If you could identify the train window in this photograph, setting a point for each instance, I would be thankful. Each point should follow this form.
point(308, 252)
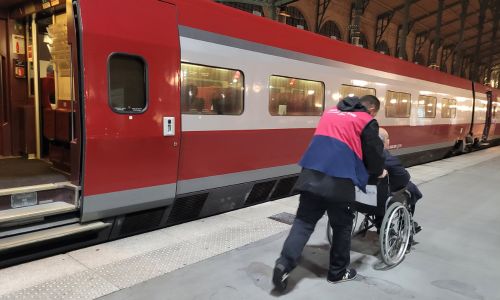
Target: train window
point(397, 104)
point(426, 107)
point(128, 83)
point(211, 90)
point(449, 108)
point(295, 97)
point(358, 91)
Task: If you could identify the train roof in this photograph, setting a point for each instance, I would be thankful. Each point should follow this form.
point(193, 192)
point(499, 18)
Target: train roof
point(217, 18)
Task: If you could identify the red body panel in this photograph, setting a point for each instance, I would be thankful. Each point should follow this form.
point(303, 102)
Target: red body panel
point(209, 153)
point(413, 136)
point(125, 151)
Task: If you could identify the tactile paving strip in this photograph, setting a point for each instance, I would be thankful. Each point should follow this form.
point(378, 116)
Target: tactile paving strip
point(82, 286)
point(100, 281)
point(140, 268)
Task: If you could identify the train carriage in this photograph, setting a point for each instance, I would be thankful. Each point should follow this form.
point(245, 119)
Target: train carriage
point(166, 111)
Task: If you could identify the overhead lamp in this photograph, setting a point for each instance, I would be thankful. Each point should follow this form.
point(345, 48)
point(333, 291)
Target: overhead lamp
point(284, 13)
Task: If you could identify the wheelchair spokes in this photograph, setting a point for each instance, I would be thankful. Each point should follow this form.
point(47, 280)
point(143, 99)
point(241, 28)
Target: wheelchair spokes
point(395, 233)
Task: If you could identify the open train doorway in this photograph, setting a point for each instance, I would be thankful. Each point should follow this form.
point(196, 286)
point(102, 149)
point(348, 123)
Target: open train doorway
point(489, 116)
point(40, 148)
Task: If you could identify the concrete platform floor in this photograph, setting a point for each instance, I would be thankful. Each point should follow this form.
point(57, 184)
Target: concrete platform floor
point(230, 256)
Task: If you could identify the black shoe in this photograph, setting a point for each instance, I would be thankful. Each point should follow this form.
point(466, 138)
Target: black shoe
point(417, 228)
point(349, 274)
point(280, 276)
point(411, 243)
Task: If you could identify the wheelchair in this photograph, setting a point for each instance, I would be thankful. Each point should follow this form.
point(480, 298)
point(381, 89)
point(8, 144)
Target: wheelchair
point(396, 229)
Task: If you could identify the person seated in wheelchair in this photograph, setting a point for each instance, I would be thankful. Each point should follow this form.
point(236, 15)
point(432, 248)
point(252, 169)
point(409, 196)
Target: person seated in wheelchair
point(398, 180)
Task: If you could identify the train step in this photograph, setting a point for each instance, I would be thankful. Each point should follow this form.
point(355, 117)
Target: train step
point(31, 238)
point(38, 212)
point(29, 204)
point(38, 188)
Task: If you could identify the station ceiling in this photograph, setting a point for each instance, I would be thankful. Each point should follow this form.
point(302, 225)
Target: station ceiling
point(10, 3)
point(423, 13)
point(482, 16)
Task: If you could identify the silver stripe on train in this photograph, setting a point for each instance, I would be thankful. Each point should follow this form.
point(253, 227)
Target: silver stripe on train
point(410, 150)
point(123, 202)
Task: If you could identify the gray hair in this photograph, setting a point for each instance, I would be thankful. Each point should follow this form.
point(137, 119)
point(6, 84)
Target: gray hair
point(383, 134)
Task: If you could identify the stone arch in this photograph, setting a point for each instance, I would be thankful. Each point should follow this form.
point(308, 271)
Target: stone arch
point(383, 48)
point(419, 59)
point(294, 17)
point(362, 40)
point(331, 29)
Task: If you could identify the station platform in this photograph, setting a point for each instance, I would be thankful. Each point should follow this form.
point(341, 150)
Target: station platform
point(231, 256)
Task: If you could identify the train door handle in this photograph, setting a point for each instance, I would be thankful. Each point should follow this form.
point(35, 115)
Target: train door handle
point(168, 126)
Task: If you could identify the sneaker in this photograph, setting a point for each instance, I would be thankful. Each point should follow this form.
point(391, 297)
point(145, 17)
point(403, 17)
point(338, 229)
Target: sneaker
point(349, 274)
point(280, 276)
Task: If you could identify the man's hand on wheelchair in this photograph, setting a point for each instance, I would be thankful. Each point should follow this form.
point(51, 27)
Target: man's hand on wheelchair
point(384, 173)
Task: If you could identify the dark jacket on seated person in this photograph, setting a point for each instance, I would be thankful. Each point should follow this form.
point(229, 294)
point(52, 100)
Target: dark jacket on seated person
point(399, 178)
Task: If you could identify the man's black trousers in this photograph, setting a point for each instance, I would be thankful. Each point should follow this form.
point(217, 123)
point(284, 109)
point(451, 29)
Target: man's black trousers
point(311, 209)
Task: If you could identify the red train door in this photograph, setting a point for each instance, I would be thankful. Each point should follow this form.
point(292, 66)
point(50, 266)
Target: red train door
point(131, 63)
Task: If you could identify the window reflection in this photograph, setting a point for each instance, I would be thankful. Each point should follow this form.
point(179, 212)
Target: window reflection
point(397, 104)
point(449, 108)
point(426, 107)
point(295, 97)
point(211, 90)
point(358, 91)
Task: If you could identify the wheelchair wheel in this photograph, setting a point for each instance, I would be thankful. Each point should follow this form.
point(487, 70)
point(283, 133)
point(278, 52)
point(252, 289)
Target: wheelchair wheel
point(329, 231)
point(395, 234)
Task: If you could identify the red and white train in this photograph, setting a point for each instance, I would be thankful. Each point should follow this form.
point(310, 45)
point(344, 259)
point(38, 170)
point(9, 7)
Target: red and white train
point(188, 108)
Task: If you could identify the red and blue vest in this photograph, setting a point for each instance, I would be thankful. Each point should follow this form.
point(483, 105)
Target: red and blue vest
point(335, 149)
